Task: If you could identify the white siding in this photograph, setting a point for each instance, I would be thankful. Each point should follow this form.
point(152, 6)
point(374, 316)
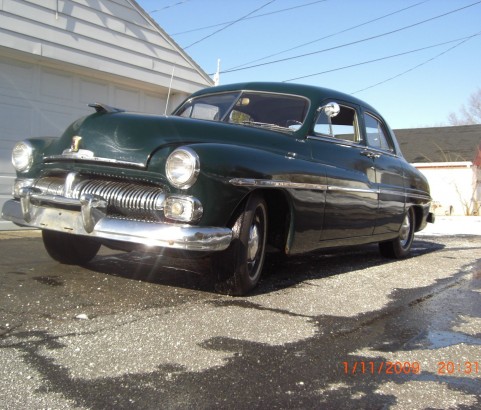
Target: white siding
point(114, 37)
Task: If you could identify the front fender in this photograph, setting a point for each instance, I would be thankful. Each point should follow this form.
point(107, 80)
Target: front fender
point(224, 167)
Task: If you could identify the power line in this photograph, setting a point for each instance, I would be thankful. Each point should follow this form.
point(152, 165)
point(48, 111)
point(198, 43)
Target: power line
point(419, 65)
point(383, 58)
point(329, 35)
point(351, 43)
point(249, 18)
point(230, 24)
point(169, 6)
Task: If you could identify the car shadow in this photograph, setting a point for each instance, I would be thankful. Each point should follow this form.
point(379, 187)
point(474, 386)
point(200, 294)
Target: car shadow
point(284, 272)
point(156, 268)
point(279, 272)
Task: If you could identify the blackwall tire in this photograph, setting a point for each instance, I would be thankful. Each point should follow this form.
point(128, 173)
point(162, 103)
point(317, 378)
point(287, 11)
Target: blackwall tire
point(400, 247)
point(238, 268)
point(69, 249)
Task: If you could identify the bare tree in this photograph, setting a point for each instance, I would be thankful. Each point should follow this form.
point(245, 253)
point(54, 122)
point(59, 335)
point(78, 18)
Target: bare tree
point(468, 115)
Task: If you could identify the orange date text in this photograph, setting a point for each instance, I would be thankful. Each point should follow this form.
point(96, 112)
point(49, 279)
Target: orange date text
point(371, 367)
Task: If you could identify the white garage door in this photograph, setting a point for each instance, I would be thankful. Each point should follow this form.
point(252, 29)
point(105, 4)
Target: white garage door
point(41, 101)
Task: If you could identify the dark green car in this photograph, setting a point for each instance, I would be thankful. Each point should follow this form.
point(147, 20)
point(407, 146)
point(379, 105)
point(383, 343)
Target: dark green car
point(235, 171)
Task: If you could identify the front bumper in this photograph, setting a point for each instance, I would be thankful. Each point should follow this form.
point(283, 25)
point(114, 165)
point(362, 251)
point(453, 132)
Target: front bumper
point(91, 222)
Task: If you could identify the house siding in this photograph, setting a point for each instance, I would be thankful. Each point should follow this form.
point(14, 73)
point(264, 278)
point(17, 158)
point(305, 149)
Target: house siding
point(109, 36)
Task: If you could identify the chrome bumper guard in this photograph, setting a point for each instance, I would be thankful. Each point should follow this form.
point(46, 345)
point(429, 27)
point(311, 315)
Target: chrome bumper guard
point(92, 221)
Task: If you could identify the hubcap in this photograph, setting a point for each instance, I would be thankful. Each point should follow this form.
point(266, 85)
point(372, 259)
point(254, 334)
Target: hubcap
point(405, 231)
point(253, 244)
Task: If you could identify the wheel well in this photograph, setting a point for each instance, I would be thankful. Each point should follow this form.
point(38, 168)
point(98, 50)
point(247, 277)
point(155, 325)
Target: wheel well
point(418, 217)
point(278, 215)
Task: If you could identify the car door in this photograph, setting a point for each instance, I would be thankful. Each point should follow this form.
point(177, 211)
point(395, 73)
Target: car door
point(389, 174)
point(351, 198)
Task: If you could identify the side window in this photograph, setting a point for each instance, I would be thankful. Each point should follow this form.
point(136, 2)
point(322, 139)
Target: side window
point(202, 111)
point(375, 134)
point(343, 126)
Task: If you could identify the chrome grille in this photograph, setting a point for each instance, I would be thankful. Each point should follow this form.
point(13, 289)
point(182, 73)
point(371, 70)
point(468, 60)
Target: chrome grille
point(122, 197)
point(50, 185)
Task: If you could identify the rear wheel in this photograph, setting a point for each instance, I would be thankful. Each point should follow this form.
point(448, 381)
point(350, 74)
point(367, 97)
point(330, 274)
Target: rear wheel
point(238, 268)
point(401, 246)
point(69, 249)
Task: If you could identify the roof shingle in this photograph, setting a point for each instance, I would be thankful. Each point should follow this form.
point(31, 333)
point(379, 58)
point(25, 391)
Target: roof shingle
point(440, 144)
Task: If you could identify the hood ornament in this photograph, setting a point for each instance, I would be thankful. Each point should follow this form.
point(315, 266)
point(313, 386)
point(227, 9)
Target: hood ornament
point(75, 151)
point(75, 144)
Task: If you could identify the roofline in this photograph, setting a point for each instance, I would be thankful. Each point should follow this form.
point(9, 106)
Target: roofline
point(428, 129)
point(170, 40)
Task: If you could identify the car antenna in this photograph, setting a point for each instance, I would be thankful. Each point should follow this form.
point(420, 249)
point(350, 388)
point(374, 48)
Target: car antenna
point(216, 77)
point(170, 88)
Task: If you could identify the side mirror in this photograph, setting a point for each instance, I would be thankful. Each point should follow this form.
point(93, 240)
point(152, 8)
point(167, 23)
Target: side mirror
point(331, 109)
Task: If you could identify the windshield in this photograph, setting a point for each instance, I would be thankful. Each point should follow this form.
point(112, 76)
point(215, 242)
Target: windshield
point(277, 112)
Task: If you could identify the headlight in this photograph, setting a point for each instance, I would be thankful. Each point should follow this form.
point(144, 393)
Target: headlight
point(182, 167)
point(22, 156)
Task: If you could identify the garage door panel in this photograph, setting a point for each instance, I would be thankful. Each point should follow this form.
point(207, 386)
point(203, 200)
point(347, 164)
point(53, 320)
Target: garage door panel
point(16, 79)
point(15, 121)
point(154, 104)
point(53, 120)
point(56, 85)
point(127, 98)
point(92, 91)
point(6, 167)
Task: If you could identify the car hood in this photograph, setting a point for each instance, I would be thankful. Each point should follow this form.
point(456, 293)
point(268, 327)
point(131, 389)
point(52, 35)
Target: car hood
point(133, 138)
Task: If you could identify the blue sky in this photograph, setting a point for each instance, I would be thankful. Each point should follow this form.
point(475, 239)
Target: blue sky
point(418, 88)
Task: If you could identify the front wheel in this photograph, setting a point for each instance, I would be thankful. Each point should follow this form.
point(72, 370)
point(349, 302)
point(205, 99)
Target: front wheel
point(400, 247)
point(69, 249)
point(238, 268)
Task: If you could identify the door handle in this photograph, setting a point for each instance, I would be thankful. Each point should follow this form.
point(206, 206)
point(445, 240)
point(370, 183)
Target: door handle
point(370, 154)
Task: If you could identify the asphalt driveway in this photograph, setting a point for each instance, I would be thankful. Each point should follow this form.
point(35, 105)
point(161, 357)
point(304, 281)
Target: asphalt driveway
point(337, 329)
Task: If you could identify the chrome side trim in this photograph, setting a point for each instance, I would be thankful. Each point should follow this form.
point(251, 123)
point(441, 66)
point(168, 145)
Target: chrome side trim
point(69, 156)
point(359, 190)
point(418, 196)
point(278, 183)
point(187, 237)
point(275, 183)
point(392, 192)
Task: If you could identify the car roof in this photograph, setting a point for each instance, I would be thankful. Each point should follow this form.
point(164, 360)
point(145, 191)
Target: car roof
point(313, 93)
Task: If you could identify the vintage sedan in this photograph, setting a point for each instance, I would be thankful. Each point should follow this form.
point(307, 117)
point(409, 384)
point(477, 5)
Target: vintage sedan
point(236, 171)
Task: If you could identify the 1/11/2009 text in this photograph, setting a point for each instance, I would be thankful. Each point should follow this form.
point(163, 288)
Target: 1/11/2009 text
point(397, 367)
point(371, 367)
